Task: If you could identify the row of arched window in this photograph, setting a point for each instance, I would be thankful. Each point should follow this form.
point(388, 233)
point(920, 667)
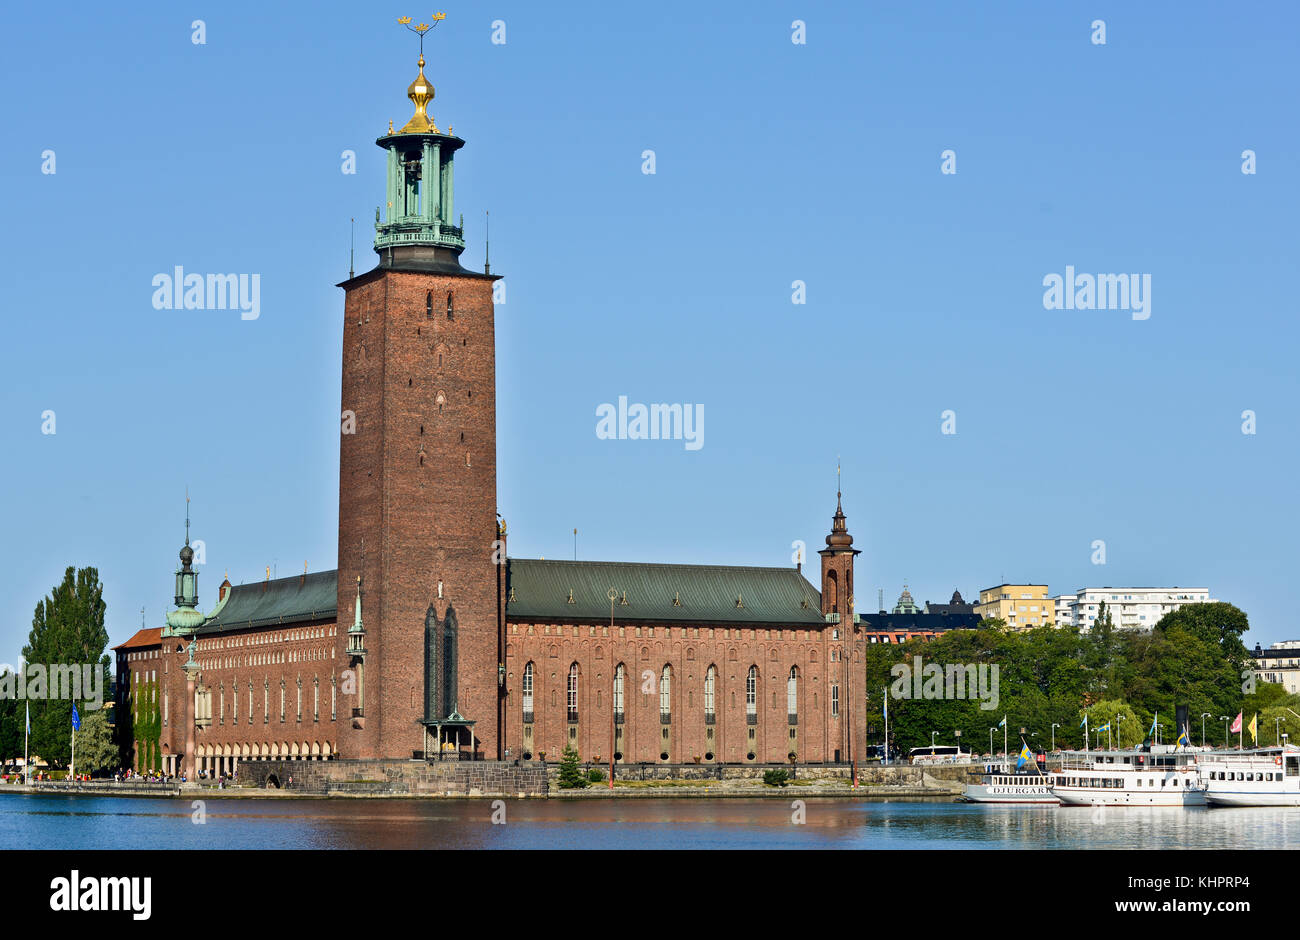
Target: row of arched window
point(665, 693)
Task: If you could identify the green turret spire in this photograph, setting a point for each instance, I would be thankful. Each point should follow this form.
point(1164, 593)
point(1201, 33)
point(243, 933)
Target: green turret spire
point(186, 617)
point(420, 179)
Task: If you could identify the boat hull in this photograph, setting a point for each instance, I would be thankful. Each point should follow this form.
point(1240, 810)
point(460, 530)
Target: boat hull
point(1251, 798)
point(1087, 796)
point(989, 793)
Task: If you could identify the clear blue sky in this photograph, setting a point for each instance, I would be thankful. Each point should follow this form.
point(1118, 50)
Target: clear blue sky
point(775, 162)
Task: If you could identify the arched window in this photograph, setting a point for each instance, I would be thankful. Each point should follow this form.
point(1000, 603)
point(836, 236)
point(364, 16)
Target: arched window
point(618, 694)
point(832, 591)
point(451, 310)
point(528, 693)
point(792, 694)
point(428, 305)
point(710, 679)
point(573, 693)
point(666, 695)
point(835, 700)
point(751, 695)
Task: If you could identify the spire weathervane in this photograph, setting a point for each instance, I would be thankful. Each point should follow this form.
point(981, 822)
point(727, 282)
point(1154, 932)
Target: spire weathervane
point(421, 92)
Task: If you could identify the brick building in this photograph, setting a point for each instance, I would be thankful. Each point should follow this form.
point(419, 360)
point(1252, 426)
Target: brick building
point(429, 640)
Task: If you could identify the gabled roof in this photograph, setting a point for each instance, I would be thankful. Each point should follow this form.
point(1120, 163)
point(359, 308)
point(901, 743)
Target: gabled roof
point(540, 590)
point(296, 599)
point(150, 636)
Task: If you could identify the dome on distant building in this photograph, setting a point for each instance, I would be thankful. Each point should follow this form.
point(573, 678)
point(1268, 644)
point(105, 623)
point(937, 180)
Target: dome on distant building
point(956, 598)
point(906, 605)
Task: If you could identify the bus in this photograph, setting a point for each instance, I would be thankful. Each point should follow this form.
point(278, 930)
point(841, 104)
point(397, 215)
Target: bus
point(939, 754)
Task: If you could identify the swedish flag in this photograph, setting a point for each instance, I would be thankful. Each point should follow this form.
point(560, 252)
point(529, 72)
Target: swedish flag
point(1100, 728)
point(1025, 757)
point(1183, 740)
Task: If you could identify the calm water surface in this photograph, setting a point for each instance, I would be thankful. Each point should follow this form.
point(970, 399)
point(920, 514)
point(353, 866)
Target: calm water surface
point(28, 821)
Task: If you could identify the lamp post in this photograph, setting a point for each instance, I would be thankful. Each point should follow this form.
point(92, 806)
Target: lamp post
point(1225, 719)
point(958, 734)
point(932, 735)
point(1204, 715)
point(1119, 741)
point(1277, 730)
point(991, 730)
point(1054, 727)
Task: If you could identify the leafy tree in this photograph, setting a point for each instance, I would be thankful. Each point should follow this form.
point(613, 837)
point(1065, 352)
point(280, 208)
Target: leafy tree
point(571, 777)
point(1128, 726)
point(67, 630)
point(11, 723)
point(95, 748)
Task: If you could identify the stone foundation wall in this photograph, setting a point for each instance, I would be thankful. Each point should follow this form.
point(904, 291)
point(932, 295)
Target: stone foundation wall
point(397, 778)
point(868, 774)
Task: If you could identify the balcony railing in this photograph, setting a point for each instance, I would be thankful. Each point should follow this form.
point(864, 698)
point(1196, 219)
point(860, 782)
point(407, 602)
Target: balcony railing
point(665, 718)
point(528, 716)
point(751, 718)
point(618, 718)
point(792, 719)
point(710, 718)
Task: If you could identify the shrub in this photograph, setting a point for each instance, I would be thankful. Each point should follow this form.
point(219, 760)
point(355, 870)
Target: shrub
point(775, 778)
point(595, 775)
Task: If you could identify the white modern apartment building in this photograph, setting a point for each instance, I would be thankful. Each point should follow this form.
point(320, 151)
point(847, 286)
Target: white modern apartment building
point(1131, 607)
point(1279, 663)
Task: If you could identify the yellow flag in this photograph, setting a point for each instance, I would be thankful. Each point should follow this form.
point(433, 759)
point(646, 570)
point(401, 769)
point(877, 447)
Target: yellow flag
point(1254, 729)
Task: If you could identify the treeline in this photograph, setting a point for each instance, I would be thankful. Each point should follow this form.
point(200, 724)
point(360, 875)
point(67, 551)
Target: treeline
point(67, 631)
point(1049, 676)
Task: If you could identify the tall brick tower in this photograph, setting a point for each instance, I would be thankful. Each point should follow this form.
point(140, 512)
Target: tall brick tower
point(417, 584)
point(847, 640)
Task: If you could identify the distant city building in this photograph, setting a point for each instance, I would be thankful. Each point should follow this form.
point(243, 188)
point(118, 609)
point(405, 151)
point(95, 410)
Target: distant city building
point(1022, 606)
point(905, 603)
point(909, 622)
point(1279, 664)
point(955, 606)
point(1137, 608)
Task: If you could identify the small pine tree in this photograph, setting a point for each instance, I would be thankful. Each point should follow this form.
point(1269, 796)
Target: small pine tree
point(571, 777)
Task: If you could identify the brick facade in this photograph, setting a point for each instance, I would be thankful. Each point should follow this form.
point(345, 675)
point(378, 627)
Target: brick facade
point(417, 498)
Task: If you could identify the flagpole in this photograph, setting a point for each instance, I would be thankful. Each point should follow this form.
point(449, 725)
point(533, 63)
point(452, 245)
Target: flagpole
point(1085, 731)
point(1005, 756)
point(27, 730)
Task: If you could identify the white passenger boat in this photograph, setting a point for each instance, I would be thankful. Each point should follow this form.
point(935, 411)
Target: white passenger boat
point(1000, 785)
point(1268, 776)
point(1157, 775)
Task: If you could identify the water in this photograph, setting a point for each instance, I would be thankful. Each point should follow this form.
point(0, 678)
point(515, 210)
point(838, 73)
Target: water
point(92, 822)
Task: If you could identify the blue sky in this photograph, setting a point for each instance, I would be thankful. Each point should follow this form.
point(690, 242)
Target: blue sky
point(775, 162)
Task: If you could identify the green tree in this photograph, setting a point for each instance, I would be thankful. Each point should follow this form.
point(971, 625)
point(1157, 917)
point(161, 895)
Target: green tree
point(571, 777)
point(1128, 726)
point(67, 630)
point(95, 748)
point(11, 723)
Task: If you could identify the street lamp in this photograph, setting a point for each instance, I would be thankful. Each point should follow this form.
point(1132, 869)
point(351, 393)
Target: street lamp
point(1204, 715)
point(932, 735)
point(1225, 719)
point(958, 734)
point(1119, 742)
point(991, 730)
point(1054, 727)
point(1277, 730)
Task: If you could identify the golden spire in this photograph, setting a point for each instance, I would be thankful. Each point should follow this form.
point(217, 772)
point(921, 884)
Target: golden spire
point(421, 90)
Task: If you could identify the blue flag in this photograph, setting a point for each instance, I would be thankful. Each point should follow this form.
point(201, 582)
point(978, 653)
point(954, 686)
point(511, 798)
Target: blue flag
point(76, 718)
point(1152, 732)
point(1003, 721)
point(1025, 757)
point(1084, 722)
